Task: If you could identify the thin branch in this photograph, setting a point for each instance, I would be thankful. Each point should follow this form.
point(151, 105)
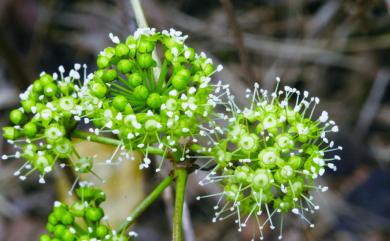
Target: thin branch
point(372, 104)
point(145, 203)
point(110, 141)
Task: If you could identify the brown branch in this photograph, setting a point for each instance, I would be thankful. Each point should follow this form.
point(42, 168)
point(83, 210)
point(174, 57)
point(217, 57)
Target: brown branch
point(247, 69)
point(372, 103)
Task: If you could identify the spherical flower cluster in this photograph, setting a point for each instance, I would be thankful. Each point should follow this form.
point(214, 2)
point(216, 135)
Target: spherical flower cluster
point(50, 109)
point(273, 152)
point(84, 220)
point(145, 105)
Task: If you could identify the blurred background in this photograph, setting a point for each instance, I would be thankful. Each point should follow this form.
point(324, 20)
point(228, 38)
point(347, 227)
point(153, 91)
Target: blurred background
point(338, 50)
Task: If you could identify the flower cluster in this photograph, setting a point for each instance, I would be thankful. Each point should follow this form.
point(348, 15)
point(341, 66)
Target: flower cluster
point(84, 220)
point(273, 152)
point(148, 106)
point(41, 126)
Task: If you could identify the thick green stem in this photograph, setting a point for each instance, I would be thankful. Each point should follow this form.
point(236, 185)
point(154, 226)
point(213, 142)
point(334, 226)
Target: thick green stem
point(145, 204)
point(110, 141)
point(181, 181)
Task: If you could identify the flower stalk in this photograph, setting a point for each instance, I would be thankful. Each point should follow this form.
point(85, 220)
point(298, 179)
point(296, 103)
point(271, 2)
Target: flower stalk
point(181, 182)
point(151, 198)
point(110, 141)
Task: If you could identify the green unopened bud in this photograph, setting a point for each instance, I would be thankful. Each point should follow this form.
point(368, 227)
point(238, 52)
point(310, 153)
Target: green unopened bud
point(103, 62)
point(121, 50)
point(141, 92)
point(145, 46)
point(119, 102)
point(67, 218)
point(135, 79)
point(154, 101)
point(145, 60)
point(46, 79)
point(10, 133)
point(38, 86)
point(94, 214)
point(50, 90)
point(110, 75)
point(98, 89)
point(44, 237)
point(180, 82)
point(30, 129)
point(102, 231)
point(125, 66)
point(16, 116)
point(27, 105)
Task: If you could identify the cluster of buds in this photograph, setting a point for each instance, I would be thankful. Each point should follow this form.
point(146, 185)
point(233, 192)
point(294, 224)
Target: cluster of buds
point(272, 153)
point(50, 110)
point(267, 157)
point(148, 106)
point(84, 220)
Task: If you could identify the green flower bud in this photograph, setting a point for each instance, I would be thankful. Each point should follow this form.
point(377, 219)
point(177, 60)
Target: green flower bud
point(154, 101)
point(30, 129)
point(141, 92)
point(52, 219)
point(67, 218)
point(135, 79)
point(100, 196)
point(110, 75)
point(78, 209)
point(145, 46)
point(109, 52)
point(38, 86)
point(44, 237)
point(10, 133)
point(27, 105)
point(102, 62)
point(85, 193)
point(121, 50)
point(16, 116)
point(98, 89)
point(50, 90)
point(119, 102)
point(180, 82)
point(94, 214)
point(68, 236)
point(46, 79)
point(145, 61)
point(208, 69)
point(102, 231)
point(125, 66)
point(59, 230)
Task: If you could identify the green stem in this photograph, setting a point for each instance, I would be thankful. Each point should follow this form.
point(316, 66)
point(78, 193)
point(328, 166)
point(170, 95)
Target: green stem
point(139, 13)
point(181, 181)
point(145, 203)
point(110, 141)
